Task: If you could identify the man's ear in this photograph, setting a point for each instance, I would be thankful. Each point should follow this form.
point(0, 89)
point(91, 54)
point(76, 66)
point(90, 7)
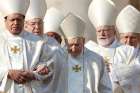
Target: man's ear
point(25, 25)
point(139, 36)
point(66, 41)
point(83, 40)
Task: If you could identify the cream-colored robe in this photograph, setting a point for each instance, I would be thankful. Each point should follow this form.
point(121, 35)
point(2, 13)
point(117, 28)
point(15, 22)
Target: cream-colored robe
point(106, 52)
point(126, 69)
point(95, 77)
point(34, 52)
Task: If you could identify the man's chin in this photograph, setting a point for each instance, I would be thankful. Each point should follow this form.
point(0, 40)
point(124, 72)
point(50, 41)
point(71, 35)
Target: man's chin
point(16, 32)
point(103, 43)
point(36, 33)
point(75, 55)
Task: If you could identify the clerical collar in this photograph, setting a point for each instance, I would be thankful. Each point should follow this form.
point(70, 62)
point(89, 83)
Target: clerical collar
point(8, 34)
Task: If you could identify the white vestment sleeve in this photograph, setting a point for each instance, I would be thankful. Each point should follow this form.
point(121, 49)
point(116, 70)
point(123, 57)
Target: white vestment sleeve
point(124, 54)
point(47, 57)
point(5, 83)
point(105, 85)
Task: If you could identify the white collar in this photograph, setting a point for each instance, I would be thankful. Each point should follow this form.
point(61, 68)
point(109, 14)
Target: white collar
point(9, 35)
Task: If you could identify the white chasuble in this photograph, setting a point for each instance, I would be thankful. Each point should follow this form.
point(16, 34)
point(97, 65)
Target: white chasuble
point(127, 68)
point(16, 59)
point(23, 52)
point(75, 75)
point(15, 48)
point(85, 74)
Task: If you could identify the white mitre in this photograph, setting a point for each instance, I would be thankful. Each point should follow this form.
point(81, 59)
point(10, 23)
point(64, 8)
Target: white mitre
point(52, 21)
point(73, 26)
point(14, 6)
point(37, 9)
point(128, 20)
point(102, 13)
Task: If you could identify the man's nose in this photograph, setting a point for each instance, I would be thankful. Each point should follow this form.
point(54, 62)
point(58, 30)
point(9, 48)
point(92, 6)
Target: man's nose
point(129, 41)
point(102, 33)
point(73, 47)
point(36, 26)
point(15, 21)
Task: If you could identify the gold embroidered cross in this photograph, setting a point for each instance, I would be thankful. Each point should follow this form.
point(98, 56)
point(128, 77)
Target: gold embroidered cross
point(76, 68)
point(106, 59)
point(15, 49)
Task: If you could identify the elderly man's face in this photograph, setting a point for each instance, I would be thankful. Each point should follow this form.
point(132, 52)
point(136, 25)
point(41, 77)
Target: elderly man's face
point(35, 26)
point(14, 23)
point(75, 46)
point(132, 39)
point(105, 35)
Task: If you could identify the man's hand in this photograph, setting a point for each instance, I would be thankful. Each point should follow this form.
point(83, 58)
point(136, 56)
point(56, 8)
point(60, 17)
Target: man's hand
point(17, 76)
point(41, 69)
point(28, 75)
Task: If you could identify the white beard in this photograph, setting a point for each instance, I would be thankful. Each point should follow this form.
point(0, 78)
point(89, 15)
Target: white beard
point(105, 42)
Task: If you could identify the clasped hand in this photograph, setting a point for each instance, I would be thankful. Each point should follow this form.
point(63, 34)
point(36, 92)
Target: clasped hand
point(20, 76)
